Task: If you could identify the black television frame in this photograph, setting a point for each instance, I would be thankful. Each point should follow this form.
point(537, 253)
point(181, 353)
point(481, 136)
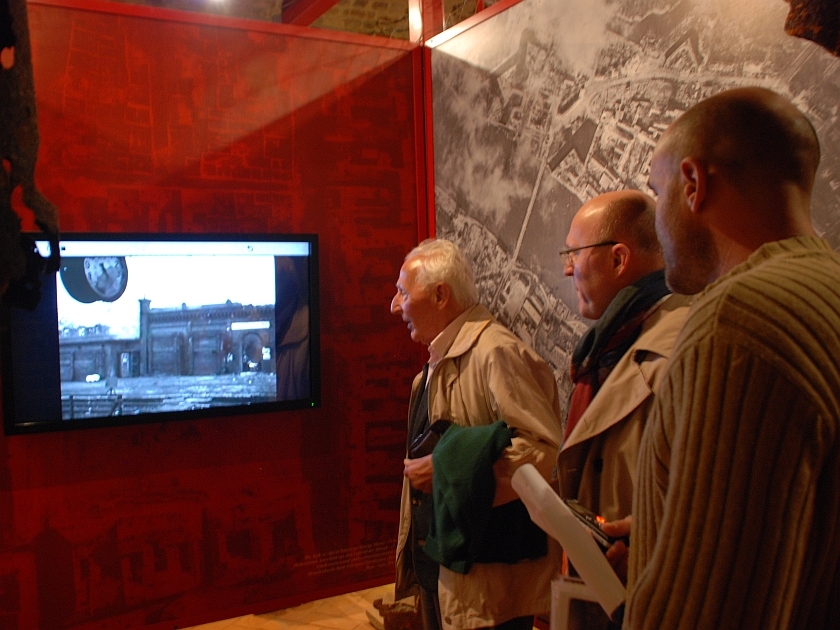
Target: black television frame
point(15, 366)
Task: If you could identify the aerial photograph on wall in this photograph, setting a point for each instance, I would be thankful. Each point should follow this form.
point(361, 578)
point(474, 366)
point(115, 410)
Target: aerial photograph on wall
point(552, 103)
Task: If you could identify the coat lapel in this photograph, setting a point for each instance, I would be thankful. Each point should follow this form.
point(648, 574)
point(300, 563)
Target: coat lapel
point(629, 375)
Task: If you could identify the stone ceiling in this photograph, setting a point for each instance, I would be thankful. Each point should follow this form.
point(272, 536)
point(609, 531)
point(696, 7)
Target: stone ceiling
point(382, 18)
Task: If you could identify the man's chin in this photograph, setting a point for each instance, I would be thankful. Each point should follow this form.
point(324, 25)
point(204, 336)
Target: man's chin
point(585, 310)
point(683, 284)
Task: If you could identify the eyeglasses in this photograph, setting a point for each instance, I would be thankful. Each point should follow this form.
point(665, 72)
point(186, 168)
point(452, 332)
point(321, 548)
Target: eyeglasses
point(568, 255)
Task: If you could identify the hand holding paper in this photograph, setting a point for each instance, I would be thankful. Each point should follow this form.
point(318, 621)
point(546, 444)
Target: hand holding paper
point(618, 554)
point(549, 512)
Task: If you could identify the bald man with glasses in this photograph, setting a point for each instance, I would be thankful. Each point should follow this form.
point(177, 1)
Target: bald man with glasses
point(614, 258)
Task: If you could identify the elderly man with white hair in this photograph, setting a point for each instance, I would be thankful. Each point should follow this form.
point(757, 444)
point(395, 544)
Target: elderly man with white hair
point(478, 560)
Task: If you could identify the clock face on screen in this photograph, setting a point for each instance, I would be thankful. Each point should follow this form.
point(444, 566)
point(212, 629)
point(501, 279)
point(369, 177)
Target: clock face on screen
point(95, 278)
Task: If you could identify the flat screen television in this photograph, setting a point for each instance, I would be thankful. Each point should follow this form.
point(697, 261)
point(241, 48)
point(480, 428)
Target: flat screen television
point(152, 327)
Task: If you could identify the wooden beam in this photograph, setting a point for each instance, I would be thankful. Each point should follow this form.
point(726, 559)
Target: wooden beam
point(304, 12)
point(425, 19)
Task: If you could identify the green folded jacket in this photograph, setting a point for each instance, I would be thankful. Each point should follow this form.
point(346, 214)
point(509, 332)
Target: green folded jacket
point(465, 527)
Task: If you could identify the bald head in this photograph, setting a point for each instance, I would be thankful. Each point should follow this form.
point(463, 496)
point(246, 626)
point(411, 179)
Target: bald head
point(732, 173)
point(622, 226)
point(627, 216)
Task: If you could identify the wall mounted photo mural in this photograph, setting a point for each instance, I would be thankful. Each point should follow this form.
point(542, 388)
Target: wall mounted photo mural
point(555, 101)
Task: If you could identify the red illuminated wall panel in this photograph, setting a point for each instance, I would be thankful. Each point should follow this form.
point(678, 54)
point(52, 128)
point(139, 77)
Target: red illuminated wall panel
point(160, 121)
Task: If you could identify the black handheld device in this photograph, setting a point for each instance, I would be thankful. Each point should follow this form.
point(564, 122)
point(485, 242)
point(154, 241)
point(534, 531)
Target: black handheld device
point(593, 522)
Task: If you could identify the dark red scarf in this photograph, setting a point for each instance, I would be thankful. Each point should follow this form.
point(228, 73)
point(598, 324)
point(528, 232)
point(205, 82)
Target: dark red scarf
point(601, 347)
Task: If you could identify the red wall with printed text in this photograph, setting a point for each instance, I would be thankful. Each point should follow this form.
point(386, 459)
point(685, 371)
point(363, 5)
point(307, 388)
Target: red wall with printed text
point(157, 121)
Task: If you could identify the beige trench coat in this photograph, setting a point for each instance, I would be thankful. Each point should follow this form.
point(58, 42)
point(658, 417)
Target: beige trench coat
point(489, 374)
point(607, 436)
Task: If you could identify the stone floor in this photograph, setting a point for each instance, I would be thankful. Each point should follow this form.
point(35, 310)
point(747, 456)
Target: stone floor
point(343, 612)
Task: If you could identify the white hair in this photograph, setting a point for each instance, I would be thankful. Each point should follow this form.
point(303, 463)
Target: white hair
point(440, 260)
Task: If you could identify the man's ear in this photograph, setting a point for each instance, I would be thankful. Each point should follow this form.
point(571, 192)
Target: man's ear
point(693, 177)
point(620, 258)
point(441, 293)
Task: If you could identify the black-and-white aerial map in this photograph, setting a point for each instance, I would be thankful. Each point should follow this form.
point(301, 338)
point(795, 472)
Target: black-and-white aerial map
point(552, 102)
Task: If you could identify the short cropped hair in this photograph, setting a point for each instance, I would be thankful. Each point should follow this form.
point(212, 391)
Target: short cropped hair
point(749, 130)
point(440, 260)
point(631, 219)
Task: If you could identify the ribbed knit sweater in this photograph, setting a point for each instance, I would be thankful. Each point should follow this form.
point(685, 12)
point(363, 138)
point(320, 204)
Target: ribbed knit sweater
point(737, 506)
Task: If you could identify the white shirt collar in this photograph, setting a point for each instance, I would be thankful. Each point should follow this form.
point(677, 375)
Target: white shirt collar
point(441, 344)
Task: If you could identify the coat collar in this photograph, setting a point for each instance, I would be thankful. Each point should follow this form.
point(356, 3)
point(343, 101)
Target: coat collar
point(631, 376)
point(478, 318)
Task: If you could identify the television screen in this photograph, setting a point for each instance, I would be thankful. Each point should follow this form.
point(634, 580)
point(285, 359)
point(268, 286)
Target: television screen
point(143, 328)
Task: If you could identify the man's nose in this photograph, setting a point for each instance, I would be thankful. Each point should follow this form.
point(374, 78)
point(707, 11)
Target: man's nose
point(395, 304)
point(568, 269)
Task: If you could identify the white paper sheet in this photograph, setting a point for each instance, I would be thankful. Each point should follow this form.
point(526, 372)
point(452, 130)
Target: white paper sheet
point(557, 520)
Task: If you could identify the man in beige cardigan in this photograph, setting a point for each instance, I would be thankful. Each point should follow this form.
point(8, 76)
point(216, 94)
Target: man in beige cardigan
point(737, 504)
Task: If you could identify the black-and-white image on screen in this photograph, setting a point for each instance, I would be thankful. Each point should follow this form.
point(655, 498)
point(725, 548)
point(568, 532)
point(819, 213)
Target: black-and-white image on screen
point(134, 326)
